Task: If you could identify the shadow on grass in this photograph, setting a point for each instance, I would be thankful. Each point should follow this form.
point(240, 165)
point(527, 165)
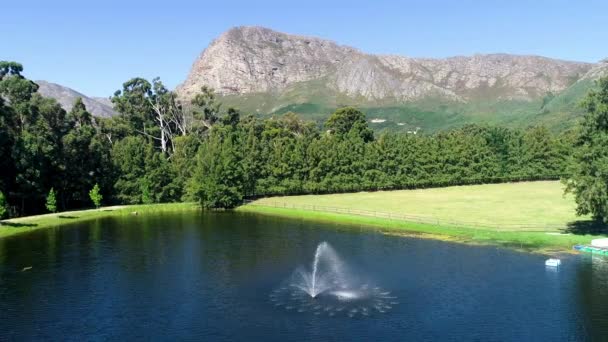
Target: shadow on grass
point(17, 225)
point(587, 227)
point(67, 217)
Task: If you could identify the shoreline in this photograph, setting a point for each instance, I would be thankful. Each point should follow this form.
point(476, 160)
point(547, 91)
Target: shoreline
point(27, 224)
point(536, 242)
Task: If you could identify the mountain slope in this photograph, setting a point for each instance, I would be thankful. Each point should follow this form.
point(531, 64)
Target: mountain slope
point(100, 107)
point(268, 72)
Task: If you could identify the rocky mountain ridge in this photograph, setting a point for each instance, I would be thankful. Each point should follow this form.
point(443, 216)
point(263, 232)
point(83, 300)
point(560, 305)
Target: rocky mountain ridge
point(250, 60)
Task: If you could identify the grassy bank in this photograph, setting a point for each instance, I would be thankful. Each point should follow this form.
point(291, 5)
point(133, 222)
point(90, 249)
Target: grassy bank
point(30, 223)
point(546, 242)
point(527, 215)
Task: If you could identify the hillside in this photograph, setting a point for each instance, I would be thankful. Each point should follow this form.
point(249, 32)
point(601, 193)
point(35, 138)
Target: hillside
point(267, 72)
point(101, 107)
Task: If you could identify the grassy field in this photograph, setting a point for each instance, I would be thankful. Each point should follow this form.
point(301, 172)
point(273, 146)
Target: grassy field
point(526, 203)
point(27, 224)
point(529, 215)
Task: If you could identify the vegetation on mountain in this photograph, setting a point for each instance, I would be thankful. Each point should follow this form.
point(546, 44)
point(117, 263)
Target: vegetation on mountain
point(163, 148)
point(266, 72)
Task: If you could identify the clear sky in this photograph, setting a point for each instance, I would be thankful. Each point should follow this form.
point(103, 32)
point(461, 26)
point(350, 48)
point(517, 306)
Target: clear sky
point(94, 46)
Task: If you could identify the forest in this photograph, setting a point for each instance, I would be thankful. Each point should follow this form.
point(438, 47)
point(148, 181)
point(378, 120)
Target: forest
point(161, 148)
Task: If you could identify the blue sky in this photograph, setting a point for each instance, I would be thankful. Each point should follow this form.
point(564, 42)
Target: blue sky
point(94, 46)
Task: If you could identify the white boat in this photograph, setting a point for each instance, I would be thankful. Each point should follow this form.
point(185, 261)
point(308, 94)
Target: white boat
point(553, 262)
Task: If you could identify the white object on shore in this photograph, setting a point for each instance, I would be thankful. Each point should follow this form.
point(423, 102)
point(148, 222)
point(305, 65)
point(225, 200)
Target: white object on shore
point(602, 243)
point(553, 262)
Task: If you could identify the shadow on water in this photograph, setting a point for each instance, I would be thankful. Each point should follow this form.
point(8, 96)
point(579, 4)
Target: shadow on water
point(17, 225)
point(587, 227)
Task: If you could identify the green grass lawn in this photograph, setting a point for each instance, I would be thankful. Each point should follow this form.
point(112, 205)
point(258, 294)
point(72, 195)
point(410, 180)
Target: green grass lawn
point(516, 207)
point(29, 223)
point(509, 204)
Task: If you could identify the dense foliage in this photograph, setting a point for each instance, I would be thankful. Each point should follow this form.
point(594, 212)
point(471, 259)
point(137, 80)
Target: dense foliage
point(161, 148)
point(589, 171)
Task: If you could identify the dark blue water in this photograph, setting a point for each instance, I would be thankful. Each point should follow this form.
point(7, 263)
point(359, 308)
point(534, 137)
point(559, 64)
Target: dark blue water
point(208, 277)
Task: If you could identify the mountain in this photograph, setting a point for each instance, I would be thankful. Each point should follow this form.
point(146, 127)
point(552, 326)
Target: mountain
point(267, 72)
point(101, 107)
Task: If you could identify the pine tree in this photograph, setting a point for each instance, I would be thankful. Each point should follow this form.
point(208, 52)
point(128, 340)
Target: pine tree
point(51, 201)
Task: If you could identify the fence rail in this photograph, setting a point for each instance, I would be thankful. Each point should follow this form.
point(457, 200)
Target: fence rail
point(506, 227)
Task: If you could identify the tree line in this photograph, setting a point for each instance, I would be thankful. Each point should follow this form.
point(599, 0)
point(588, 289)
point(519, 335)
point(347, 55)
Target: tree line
point(161, 148)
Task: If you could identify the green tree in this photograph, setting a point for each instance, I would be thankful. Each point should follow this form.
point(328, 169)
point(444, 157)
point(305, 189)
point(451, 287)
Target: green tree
point(79, 116)
point(588, 174)
point(3, 206)
point(144, 174)
point(204, 111)
point(95, 195)
point(346, 119)
point(219, 178)
point(151, 110)
point(129, 160)
point(146, 195)
point(183, 161)
point(13, 85)
point(51, 201)
point(81, 174)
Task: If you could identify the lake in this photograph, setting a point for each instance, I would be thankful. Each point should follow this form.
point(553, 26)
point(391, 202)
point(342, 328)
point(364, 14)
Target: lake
point(226, 277)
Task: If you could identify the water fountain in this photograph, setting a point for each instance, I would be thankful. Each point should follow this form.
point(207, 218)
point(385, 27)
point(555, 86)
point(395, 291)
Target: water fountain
point(330, 288)
point(327, 272)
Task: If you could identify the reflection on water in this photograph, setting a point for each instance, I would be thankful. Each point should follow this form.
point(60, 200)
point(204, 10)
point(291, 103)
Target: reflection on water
point(222, 276)
point(361, 302)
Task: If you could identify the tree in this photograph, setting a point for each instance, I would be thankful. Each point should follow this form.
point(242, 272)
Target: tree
point(3, 206)
point(128, 158)
point(13, 85)
point(150, 109)
point(588, 174)
point(346, 119)
point(204, 111)
point(51, 201)
point(96, 196)
point(81, 173)
point(79, 115)
point(144, 174)
point(219, 178)
point(183, 161)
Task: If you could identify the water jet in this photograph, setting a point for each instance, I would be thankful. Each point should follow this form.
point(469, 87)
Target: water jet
point(329, 287)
